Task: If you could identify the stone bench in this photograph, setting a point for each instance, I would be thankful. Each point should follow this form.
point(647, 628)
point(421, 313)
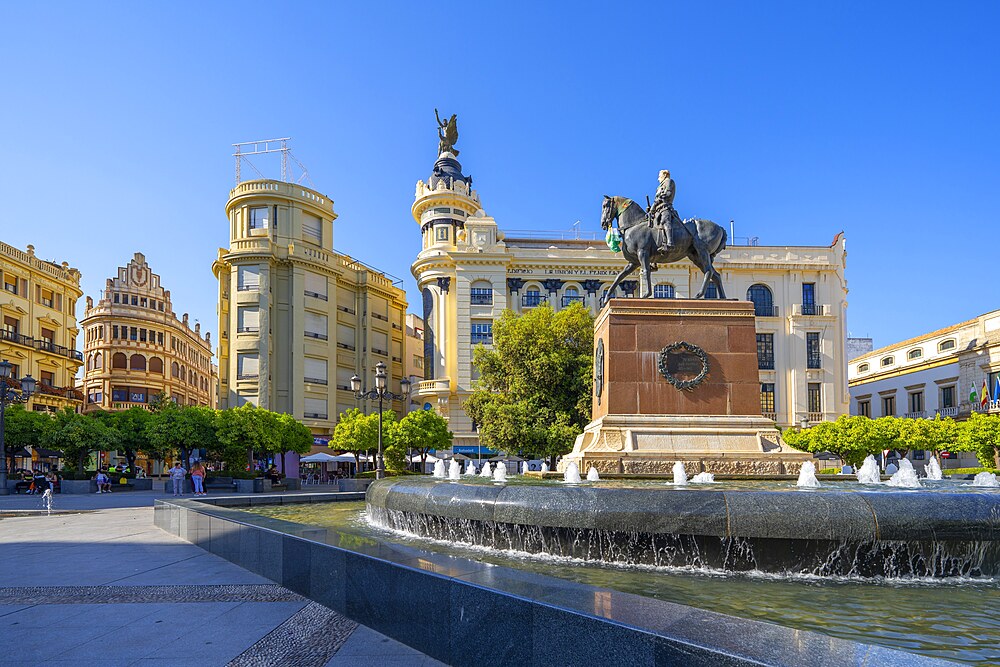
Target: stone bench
point(225, 483)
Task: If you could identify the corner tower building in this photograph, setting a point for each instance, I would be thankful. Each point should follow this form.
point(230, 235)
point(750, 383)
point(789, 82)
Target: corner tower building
point(296, 318)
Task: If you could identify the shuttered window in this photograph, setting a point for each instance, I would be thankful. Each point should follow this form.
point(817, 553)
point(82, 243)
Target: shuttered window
point(316, 285)
point(315, 370)
point(345, 301)
point(315, 326)
point(248, 366)
point(315, 408)
point(249, 278)
point(345, 337)
point(380, 343)
point(248, 320)
point(312, 229)
point(344, 376)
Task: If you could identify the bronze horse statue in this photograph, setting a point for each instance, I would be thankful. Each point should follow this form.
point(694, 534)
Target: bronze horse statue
point(698, 240)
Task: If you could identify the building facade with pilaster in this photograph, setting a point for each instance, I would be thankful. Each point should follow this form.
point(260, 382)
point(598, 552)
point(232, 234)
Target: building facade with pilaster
point(469, 271)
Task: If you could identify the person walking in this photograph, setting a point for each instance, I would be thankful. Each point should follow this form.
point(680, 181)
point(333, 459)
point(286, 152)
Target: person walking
point(198, 478)
point(177, 474)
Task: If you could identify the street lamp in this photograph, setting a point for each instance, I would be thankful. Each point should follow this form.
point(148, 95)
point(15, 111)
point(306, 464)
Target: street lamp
point(9, 396)
point(380, 393)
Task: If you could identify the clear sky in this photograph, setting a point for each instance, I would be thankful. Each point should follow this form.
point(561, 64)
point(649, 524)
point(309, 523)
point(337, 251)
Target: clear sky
point(795, 119)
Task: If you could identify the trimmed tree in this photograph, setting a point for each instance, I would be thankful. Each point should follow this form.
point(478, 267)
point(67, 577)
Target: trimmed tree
point(422, 431)
point(23, 428)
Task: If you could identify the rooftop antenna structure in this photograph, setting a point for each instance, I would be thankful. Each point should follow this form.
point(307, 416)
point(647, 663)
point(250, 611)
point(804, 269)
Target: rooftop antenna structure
point(244, 149)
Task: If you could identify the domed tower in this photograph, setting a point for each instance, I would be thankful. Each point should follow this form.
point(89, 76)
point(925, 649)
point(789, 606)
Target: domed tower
point(460, 271)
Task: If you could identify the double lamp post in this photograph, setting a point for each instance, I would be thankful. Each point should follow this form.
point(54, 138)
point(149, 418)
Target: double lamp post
point(9, 396)
point(380, 393)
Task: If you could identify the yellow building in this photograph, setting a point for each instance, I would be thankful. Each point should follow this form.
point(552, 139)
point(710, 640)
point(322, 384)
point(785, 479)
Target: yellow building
point(297, 320)
point(413, 352)
point(469, 271)
point(39, 332)
point(135, 347)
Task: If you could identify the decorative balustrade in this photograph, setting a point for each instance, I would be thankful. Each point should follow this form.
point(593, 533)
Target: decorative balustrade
point(432, 386)
point(948, 412)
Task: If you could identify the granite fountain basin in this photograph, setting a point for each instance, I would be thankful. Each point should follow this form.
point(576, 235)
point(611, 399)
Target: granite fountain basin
point(822, 532)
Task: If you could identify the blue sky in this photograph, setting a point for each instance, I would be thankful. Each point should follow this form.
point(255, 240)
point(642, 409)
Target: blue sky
point(797, 120)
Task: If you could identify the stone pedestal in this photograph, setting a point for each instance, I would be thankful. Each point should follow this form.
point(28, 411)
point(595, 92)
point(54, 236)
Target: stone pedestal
point(677, 380)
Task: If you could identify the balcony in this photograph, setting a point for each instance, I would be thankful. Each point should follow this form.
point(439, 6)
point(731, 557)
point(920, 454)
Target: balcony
point(314, 415)
point(248, 376)
point(765, 363)
point(532, 300)
point(773, 416)
point(432, 386)
point(318, 336)
point(248, 330)
point(920, 414)
point(485, 339)
point(481, 299)
point(43, 344)
point(811, 310)
point(815, 417)
point(248, 288)
point(948, 412)
point(765, 311)
point(16, 338)
point(316, 380)
point(345, 346)
point(567, 300)
point(125, 405)
point(317, 295)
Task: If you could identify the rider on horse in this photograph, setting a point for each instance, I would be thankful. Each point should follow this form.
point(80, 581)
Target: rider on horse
point(662, 215)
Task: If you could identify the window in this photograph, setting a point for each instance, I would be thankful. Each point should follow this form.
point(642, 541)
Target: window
point(133, 333)
point(916, 401)
point(135, 301)
point(116, 297)
point(11, 324)
point(481, 296)
point(886, 361)
point(257, 218)
point(993, 382)
point(48, 377)
point(48, 341)
point(95, 396)
point(316, 285)
point(813, 357)
point(765, 351)
point(98, 361)
point(865, 409)
point(808, 298)
point(763, 300)
point(915, 353)
point(142, 302)
point(142, 335)
point(247, 366)
point(119, 360)
point(114, 331)
point(888, 406)
point(482, 332)
point(947, 397)
point(665, 291)
point(137, 363)
point(119, 393)
point(863, 368)
point(10, 283)
point(248, 320)
point(572, 295)
point(315, 326)
point(248, 279)
point(45, 297)
point(767, 399)
point(531, 298)
point(315, 370)
point(712, 292)
point(814, 394)
point(946, 345)
point(314, 408)
point(159, 338)
point(156, 365)
point(441, 233)
point(137, 394)
point(312, 229)
point(418, 362)
point(175, 370)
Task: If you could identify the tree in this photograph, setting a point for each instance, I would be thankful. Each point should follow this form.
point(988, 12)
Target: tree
point(980, 433)
point(23, 428)
point(182, 428)
point(850, 438)
point(934, 435)
point(244, 430)
point(76, 436)
point(353, 433)
point(422, 431)
point(131, 426)
point(534, 391)
point(293, 435)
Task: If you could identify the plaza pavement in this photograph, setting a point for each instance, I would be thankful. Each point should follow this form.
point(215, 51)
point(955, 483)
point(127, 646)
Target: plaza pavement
point(105, 587)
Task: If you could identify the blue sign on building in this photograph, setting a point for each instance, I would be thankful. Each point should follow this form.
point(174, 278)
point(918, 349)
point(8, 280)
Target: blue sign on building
point(475, 451)
point(321, 440)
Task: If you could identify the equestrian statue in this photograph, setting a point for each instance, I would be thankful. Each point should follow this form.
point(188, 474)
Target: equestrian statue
point(657, 235)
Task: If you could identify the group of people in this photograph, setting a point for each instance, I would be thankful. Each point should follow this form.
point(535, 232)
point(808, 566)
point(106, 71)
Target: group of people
point(178, 473)
point(41, 482)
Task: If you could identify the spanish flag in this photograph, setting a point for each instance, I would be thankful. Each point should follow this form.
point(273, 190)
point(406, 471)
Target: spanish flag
point(984, 399)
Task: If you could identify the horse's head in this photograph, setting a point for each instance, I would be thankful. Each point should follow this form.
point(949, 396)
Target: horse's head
point(608, 212)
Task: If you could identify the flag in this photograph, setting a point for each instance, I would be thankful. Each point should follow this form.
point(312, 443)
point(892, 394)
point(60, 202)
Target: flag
point(973, 398)
point(996, 390)
point(985, 398)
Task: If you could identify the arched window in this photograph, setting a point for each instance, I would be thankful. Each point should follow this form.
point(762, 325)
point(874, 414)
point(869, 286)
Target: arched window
point(175, 370)
point(712, 292)
point(183, 375)
point(664, 291)
point(886, 361)
point(156, 365)
point(763, 300)
point(481, 293)
point(915, 353)
point(863, 368)
point(137, 363)
point(946, 345)
point(90, 362)
point(119, 360)
point(98, 361)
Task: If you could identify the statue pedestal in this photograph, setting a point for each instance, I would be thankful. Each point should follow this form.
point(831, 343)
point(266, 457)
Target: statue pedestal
point(677, 380)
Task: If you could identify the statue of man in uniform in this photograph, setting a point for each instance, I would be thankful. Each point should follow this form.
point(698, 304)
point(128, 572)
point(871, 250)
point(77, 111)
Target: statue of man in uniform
point(662, 215)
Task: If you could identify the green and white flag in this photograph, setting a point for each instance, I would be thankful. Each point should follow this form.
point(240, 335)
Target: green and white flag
point(973, 397)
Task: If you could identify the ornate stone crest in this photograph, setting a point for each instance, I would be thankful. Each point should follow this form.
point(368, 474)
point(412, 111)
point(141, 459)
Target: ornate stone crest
point(683, 365)
point(599, 370)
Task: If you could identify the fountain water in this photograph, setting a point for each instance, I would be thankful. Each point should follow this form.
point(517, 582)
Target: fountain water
point(439, 470)
point(985, 479)
point(487, 471)
point(592, 475)
point(807, 476)
point(500, 474)
point(680, 475)
point(932, 469)
point(454, 470)
point(703, 478)
point(905, 477)
point(868, 473)
point(470, 469)
point(572, 474)
point(545, 467)
point(47, 500)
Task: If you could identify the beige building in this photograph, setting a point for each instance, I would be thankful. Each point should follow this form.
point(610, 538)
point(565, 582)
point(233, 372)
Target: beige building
point(414, 354)
point(135, 347)
point(469, 271)
point(38, 305)
point(297, 320)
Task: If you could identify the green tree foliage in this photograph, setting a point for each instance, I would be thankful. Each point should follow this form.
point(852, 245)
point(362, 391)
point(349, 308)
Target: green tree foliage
point(294, 435)
point(981, 434)
point(180, 428)
point(421, 431)
point(357, 432)
point(131, 427)
point(534, 391)
point(244, 430)
point(76, 436)
point(23, 428)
